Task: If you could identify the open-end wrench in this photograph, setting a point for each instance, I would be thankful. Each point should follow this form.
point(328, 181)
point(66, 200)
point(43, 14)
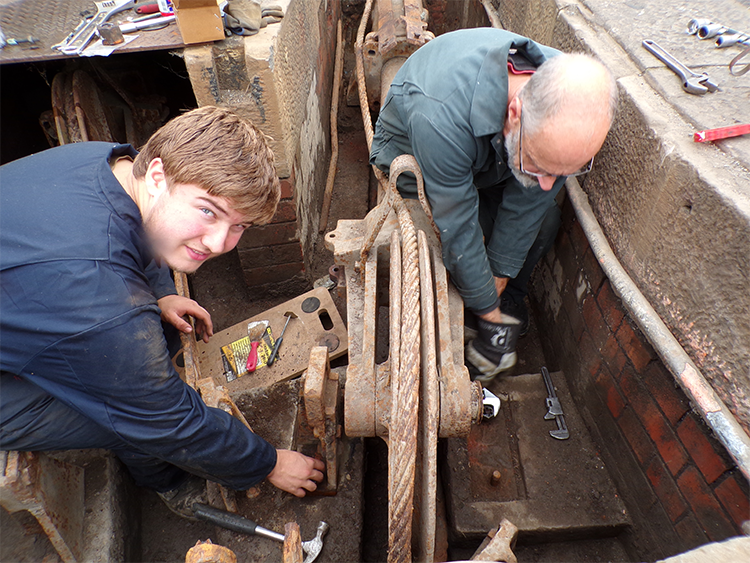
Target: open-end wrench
point(104, 10)
point(554, 409)
point(692, 82)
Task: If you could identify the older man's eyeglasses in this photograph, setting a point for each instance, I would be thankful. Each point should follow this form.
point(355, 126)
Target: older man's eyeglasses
point(543, 174)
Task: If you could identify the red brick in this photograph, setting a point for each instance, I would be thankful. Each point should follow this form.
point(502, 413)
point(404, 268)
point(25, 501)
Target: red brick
point(700, 448)
point(664, 389)
point(706, 508)
point(594, 320)
point(269, 235)
point(287, 188)
point(666, 489)
point(571, 310)
point(653, 420)
point(591, 361)
point(610, 305)
point(568, 215)
point(636, 436)
point(271, 255)
point(566, 255)
point(691, 533)
point(639, 352)
point(285, 212)
point(272, 274)
point(578, 239)
point(613, 355)
point(593, 270)
point(609, 392)
point(734, 499)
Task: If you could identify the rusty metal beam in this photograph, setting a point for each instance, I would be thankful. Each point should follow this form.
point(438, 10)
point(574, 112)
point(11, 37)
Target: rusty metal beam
point(52, 491)
point(321, 395)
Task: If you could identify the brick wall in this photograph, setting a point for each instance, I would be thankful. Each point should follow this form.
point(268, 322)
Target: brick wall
point(271, 254)
point(678, 482)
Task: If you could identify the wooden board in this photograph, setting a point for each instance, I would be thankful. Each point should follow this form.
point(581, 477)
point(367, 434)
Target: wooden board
point(314, 326)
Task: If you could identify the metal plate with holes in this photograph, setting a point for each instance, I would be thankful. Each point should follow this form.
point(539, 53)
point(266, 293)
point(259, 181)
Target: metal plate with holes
point(321, 326)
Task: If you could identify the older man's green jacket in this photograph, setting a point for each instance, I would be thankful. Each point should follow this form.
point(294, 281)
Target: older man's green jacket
point(447, 106)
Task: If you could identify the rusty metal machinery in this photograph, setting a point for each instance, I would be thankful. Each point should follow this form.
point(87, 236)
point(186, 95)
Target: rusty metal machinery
point(392, 263)
point(400, 30)
point(423, 389)
point(207, 552)
point(52, 491)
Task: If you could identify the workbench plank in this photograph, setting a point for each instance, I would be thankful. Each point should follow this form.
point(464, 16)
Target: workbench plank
point(50, 21)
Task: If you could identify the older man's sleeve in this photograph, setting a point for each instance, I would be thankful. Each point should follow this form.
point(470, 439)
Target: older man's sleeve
point(447, 171)
point(517, 224)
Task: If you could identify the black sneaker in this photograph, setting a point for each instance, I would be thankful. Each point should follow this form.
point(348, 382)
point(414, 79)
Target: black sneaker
point(181, 499)
point(517, 310)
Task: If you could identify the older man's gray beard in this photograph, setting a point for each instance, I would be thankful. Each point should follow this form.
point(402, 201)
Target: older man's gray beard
point(511, 147)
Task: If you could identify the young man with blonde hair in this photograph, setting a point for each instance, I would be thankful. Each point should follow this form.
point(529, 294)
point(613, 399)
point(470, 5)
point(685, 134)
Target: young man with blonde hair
point(89, 232)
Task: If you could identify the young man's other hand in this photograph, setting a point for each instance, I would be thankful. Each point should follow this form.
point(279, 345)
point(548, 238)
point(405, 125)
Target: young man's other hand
point(175, 307)
point(296, 473)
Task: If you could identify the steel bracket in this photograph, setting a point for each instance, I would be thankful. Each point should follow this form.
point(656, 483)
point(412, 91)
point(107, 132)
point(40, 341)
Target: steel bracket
point(321, 394)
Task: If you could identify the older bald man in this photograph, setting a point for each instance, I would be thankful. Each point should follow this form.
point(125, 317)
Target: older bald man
point(496, 123)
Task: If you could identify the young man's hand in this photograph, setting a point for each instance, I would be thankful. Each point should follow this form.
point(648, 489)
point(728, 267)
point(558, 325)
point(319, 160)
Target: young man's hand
point(296, 473)
point(174, 307)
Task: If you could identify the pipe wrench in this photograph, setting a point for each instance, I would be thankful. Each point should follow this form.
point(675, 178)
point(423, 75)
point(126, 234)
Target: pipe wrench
point(554, 409)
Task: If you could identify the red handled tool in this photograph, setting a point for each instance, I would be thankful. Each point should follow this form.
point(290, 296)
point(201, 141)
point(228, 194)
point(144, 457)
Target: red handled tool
point(721, 133)
point(255, 331)
point(150, 7)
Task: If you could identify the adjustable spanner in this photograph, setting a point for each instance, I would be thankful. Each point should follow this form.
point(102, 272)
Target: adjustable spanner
point(692, 82)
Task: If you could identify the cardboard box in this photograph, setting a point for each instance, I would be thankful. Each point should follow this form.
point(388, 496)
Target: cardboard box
point(199, 21)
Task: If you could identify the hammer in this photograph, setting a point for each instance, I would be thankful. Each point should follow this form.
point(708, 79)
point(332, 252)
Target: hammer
point(272, 358)
point(238, 523)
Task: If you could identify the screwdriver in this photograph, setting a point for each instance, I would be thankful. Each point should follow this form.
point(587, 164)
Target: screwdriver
point(8, 41)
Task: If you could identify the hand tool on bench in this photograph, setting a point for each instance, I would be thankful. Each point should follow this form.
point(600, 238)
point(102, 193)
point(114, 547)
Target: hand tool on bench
point(554, 409)
point(272, 358)
point(244, 525)
point(692, 82)
point(104, 11)
point(147, 23)
point(11, 41)
point(255, 331)
point(148, 7)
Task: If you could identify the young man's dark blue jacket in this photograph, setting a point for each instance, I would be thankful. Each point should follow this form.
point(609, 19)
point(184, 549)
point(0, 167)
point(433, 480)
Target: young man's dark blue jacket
point(83, 354)
point(447, 106)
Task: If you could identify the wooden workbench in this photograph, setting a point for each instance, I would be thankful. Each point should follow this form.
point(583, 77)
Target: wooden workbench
point(50, 21)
